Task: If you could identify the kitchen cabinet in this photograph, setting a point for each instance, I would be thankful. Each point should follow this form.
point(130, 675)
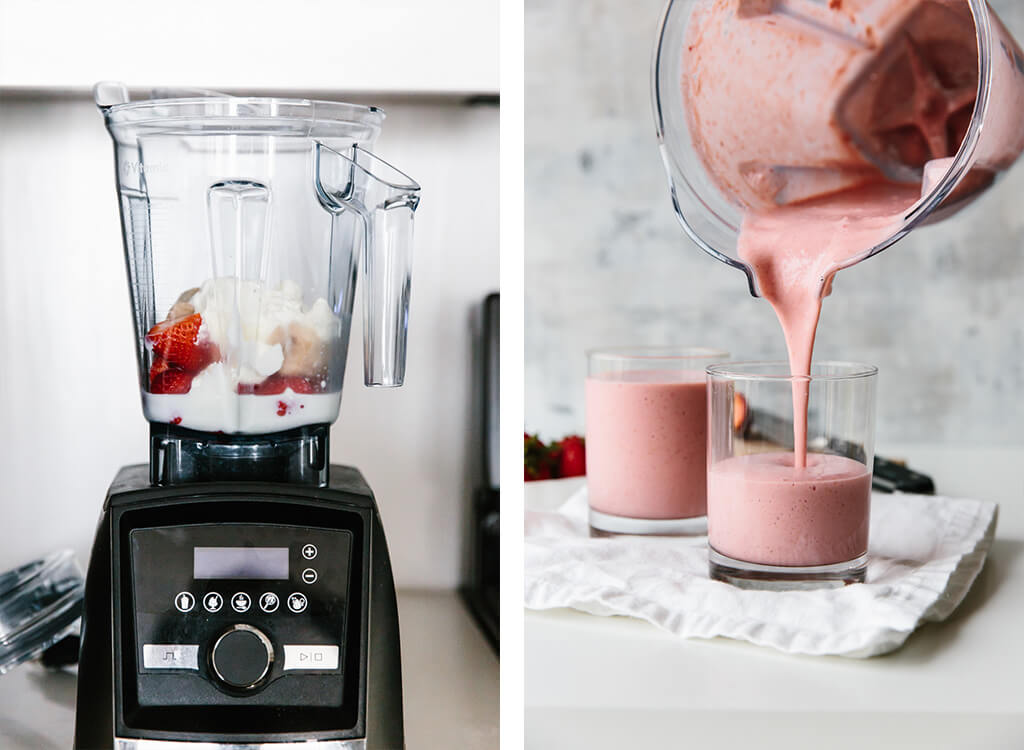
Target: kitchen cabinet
point(446, 47)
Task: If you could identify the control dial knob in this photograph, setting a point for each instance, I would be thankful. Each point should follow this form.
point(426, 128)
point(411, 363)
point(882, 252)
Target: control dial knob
point(241, 657)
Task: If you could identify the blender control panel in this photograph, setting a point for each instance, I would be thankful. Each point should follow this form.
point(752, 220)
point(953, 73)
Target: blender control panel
point(243, 610)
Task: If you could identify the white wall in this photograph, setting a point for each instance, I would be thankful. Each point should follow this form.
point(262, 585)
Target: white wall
point(69, 405)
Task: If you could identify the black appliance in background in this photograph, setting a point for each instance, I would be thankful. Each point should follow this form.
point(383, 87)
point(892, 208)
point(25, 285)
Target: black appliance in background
point(481, 589)
point(887, 475)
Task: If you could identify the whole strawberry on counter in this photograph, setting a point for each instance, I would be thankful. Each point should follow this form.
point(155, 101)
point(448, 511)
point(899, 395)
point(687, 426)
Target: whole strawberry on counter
point(564, 458)
point(537, 458)
point(571, 454)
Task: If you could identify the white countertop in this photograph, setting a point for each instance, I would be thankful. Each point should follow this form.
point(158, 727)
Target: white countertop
point(449, 678)
point(600, 682)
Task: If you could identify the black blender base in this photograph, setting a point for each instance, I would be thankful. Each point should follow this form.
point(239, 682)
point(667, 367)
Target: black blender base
point(108, 708)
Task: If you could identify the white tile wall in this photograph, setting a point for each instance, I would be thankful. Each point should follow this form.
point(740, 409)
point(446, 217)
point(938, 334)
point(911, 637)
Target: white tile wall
point(606, 263)
point(69, 404)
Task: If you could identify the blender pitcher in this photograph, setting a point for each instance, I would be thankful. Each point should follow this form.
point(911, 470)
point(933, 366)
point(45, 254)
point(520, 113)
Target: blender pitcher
point(244, 220)
point(765, 103)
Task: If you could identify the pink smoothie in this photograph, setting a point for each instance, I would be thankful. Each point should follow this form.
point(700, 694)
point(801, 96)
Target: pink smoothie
point(766, 511)
point(825, 159)
point(646, 444)
point(795, 508)
point(795, 252)
point(789, 101)
point(822, 120)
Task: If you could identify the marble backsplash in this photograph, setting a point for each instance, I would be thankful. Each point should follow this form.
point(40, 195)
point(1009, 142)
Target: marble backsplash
point(941, 313)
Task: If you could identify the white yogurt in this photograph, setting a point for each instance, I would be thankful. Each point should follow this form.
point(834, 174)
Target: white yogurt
point(242, 413)
point(243, 316)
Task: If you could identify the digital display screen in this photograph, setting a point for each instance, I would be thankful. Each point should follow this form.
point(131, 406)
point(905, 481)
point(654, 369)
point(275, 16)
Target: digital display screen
point(262, 563)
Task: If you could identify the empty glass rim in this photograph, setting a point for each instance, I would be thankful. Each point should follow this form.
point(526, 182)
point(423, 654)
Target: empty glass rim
point(756, 370)
point(654, 353)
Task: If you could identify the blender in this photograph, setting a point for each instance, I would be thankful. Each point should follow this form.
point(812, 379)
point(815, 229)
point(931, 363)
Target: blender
point(762, 104)
point(239, 592)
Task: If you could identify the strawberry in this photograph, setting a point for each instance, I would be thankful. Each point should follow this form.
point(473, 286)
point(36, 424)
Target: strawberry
point(177, 342)
point(163, 378)
point(277, 384)
point(269, 387)
point(537, 458)
point(739, 412)
point(158, 368)
point(571, 454)
point(301, 384)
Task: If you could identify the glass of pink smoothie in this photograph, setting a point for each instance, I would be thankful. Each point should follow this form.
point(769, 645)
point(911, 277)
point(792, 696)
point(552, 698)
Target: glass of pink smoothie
point(785, 515)
point(647, 439)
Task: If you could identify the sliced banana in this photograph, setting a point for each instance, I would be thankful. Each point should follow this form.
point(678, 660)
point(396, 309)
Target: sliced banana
point(183, 307)
point(304, 352)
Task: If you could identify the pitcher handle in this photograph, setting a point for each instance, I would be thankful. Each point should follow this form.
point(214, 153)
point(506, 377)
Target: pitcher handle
point(386, 200)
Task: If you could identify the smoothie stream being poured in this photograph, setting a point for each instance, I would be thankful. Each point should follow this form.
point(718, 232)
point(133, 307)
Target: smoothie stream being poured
point(827, 122)
point(795, 252)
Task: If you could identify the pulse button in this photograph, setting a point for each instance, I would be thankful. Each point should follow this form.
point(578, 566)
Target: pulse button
point(241, 657)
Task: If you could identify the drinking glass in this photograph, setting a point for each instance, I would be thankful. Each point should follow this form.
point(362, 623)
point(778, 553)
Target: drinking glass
point(771, 522)
point(646, 439)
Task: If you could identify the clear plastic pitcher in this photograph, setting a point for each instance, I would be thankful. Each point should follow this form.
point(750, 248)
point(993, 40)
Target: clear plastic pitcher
point(246, 221)
point(762, 103)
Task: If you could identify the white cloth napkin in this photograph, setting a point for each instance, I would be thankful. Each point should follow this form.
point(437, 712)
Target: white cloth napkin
point(924, 553)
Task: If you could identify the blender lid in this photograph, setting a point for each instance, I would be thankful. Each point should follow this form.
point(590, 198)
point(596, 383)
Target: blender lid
point(213, 111)
point(40, 604)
